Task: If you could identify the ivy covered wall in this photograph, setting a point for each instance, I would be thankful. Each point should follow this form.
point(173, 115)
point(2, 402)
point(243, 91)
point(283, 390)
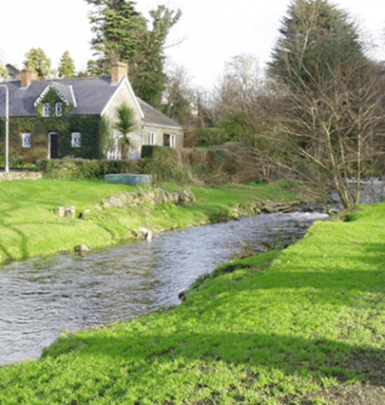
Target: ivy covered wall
point(89, 126)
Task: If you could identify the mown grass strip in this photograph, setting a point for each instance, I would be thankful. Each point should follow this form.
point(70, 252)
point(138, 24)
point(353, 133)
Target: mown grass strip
point(301, 326)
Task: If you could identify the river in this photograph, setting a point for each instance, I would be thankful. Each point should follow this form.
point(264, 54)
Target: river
point(39, 298)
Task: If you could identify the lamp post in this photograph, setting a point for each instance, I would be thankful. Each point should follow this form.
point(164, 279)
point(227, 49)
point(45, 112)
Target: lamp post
point(6, 126)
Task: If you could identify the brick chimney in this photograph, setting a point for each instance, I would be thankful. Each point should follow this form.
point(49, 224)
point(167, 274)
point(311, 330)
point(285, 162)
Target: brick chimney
point(118, 71)
point(27, 76)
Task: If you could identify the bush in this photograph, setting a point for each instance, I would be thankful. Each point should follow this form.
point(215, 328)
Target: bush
point(212, 136)
point(87, 169)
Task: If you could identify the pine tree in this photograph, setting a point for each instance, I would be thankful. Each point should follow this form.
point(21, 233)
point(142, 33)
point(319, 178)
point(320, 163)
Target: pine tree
point(3, 69)
point(37, 60)
point(316, 37)
point(118, 29)
point(67, 67)
point(149, 80)
point(121, 34)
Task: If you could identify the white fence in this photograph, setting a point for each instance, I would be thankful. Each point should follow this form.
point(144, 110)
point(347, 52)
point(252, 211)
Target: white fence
point(114, 155)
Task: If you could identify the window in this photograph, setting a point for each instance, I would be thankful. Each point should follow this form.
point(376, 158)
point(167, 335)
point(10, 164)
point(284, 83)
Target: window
point(75, 140)
point(26, 140)
point(166, 140)
point(46, 109)
point(58, 109)
point(169, 140)
point(151, 138)
point(172, 141)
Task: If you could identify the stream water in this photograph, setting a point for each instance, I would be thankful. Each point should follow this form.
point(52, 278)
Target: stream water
point(39, 298)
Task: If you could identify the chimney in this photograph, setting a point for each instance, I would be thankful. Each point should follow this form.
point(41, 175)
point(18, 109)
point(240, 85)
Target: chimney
point(118, 71)
point(27, 76)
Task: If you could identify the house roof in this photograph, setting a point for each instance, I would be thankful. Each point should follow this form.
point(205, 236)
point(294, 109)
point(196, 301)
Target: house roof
point(65, 92)
point(89, 96)
point(153, 117)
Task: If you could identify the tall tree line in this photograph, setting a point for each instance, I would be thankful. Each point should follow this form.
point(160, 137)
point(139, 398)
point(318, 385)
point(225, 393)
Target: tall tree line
point(123, 34)
point(318, 114)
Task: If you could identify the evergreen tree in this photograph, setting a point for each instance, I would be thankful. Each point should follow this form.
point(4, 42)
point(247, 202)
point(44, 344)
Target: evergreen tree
point(149, 79)
point(3, 69)
point(67, 67)
point(118, 29)
point(121, 34)
point(37, 60)
point(316, 38)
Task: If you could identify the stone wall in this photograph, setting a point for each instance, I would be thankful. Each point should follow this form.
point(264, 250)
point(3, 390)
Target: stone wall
point(151, 197)
point(20, 176)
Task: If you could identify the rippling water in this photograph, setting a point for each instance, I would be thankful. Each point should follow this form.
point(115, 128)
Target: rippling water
point(41, 298)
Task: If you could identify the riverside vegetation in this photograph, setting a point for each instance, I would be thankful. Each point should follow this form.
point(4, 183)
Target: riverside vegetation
point(299, 326)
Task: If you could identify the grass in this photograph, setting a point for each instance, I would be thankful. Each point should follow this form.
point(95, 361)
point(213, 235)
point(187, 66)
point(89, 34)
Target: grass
point(302, 326)
point(29, 226)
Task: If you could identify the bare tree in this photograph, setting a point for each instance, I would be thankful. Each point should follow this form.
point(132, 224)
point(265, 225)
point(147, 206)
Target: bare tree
point(335, 127)
point(236, 93)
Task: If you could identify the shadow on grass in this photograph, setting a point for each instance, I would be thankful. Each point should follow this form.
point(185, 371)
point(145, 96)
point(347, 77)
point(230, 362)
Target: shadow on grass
point(326, 282)
point(24, 240)
point(312, 359)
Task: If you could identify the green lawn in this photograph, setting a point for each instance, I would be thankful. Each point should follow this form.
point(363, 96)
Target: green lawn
point(29, 226)
point(301, 326)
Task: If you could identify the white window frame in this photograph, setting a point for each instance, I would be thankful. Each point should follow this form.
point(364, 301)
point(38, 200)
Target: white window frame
point(59, 109)
point(26, 140)
point(172, 141)
point(151, 138)
point(76, 140)
point(46, 109)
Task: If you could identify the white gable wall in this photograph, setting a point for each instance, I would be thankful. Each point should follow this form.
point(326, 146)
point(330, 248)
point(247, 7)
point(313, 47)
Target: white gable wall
point(124, 94)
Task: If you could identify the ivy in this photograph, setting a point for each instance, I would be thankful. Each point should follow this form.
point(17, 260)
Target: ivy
point(40, 127)
point(52, 97)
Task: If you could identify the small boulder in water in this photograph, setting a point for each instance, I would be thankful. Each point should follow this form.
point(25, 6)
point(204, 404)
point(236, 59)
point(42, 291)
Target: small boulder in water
point(82, 249)
point(146, 233)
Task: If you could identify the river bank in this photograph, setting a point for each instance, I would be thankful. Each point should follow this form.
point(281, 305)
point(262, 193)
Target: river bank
point(41, 297)
point(30, 226)
point(304, 325)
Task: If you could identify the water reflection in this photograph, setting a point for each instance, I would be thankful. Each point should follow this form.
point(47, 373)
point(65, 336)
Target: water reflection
point(41, 298)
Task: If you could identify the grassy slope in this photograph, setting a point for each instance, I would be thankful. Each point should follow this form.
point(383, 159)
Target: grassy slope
point(305, 326)
point(29, 226)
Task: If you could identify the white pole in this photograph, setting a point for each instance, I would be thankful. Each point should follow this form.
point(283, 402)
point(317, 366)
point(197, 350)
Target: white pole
point(6, 127)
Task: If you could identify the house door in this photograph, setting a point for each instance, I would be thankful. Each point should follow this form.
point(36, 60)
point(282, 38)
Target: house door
point(166, 140)
point(53, 146)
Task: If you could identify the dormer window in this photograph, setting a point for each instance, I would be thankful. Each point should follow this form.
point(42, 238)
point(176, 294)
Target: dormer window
point(59, 109)
point(46, 109)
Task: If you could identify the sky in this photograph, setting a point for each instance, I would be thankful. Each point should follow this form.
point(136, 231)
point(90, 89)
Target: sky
point(208, 34)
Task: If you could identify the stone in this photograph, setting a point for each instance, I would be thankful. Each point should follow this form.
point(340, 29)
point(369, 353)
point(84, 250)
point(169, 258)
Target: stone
point(146, 233)
point(151, 197)
point(175, 198)
point(11, 176)
point(82, 249)
point(159, 196)
point(115, 202)
point(183, 295)
point(59, 211)
point(69, 211)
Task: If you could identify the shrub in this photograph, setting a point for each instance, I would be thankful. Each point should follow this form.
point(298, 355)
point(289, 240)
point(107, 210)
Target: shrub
point(212, 136)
